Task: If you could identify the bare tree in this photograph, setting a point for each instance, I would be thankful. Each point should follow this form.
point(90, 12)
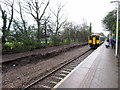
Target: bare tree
point(5, 28)
point(4, 17)
point(33, 7)
point(77, 32)
point(23, 21)
point(58, 24)
point(46, 22)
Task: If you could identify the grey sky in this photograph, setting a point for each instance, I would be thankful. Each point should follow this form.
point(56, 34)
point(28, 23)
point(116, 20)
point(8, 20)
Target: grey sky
point(91, 10)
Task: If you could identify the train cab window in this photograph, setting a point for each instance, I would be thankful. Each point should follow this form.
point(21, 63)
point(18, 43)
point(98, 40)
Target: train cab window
point(97, 37)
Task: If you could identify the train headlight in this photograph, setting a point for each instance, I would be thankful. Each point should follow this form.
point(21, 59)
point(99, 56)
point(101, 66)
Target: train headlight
point(97, 42)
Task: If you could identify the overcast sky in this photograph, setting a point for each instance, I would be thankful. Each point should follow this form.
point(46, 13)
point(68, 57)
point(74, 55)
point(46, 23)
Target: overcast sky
point(91, 10)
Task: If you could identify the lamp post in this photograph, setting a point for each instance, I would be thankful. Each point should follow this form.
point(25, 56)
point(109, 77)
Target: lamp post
point(117, 26)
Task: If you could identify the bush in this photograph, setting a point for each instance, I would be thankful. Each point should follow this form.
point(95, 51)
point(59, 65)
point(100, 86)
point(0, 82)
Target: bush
point(56, 40)
point(6, 49)
point(67, 41)
point(15, 47)
point(11, 47)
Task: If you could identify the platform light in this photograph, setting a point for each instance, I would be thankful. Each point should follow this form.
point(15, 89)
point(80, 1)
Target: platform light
point(117, 25)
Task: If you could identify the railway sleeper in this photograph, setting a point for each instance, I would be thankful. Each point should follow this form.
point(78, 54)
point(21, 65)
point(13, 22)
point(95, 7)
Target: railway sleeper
point(59, 78)
point(56, 80)
point(77, 63)
point(62, 75)
point(52, 82)
point(44, 86)
point(69, 69)
point(73, 65)
point(65, 72)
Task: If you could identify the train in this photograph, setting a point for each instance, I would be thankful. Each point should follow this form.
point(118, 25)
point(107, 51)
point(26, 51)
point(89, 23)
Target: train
point(95, 41)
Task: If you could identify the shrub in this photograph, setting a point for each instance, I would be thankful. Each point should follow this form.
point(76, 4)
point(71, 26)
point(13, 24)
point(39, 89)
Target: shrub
point(5, 49)
point(66, 41)
point(56, 40)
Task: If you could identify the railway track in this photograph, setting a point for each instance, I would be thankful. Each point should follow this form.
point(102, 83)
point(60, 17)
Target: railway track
point(52, 78)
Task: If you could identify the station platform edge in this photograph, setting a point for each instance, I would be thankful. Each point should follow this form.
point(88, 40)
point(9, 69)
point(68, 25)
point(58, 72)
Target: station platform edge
point(98, 70)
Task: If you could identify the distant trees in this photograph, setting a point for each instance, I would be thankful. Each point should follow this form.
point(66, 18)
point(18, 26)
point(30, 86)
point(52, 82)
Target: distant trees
point(6, 27)
point(30, 24)
point(20, 27)
point(58, 23)
point(23, 20)
point(47, 31)
point(74, 32)
point(109, 21)
point(90, 29)
point(34, 8)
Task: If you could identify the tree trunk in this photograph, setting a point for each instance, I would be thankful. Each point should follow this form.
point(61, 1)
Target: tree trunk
point(3, 40)
point(38, 30)
point(4, 17)
point(45, 32)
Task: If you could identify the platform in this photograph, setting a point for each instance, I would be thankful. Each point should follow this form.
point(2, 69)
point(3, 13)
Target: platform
point(98, 70)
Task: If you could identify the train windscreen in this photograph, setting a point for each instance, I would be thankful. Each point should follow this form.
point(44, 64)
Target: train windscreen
point(97, 37)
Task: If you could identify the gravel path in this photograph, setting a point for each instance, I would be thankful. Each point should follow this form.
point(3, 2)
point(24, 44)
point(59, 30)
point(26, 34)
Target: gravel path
point(17, 76)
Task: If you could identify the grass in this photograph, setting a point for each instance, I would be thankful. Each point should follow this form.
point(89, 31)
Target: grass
point(12, 44)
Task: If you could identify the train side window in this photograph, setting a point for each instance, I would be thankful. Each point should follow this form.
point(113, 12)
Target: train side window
point(97, 37)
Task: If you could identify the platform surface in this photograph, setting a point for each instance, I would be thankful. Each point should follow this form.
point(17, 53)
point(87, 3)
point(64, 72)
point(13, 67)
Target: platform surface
point(98, 70)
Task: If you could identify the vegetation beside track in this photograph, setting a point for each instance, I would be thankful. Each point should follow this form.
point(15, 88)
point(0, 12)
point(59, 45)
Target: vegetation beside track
point(40, 30)
point(16, 47)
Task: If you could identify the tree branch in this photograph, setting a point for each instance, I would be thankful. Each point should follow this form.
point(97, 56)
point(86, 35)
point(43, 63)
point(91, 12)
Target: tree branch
point(44, 10)
point(10, 21)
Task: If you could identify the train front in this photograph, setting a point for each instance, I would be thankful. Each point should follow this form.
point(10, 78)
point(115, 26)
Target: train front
point(94, 41)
